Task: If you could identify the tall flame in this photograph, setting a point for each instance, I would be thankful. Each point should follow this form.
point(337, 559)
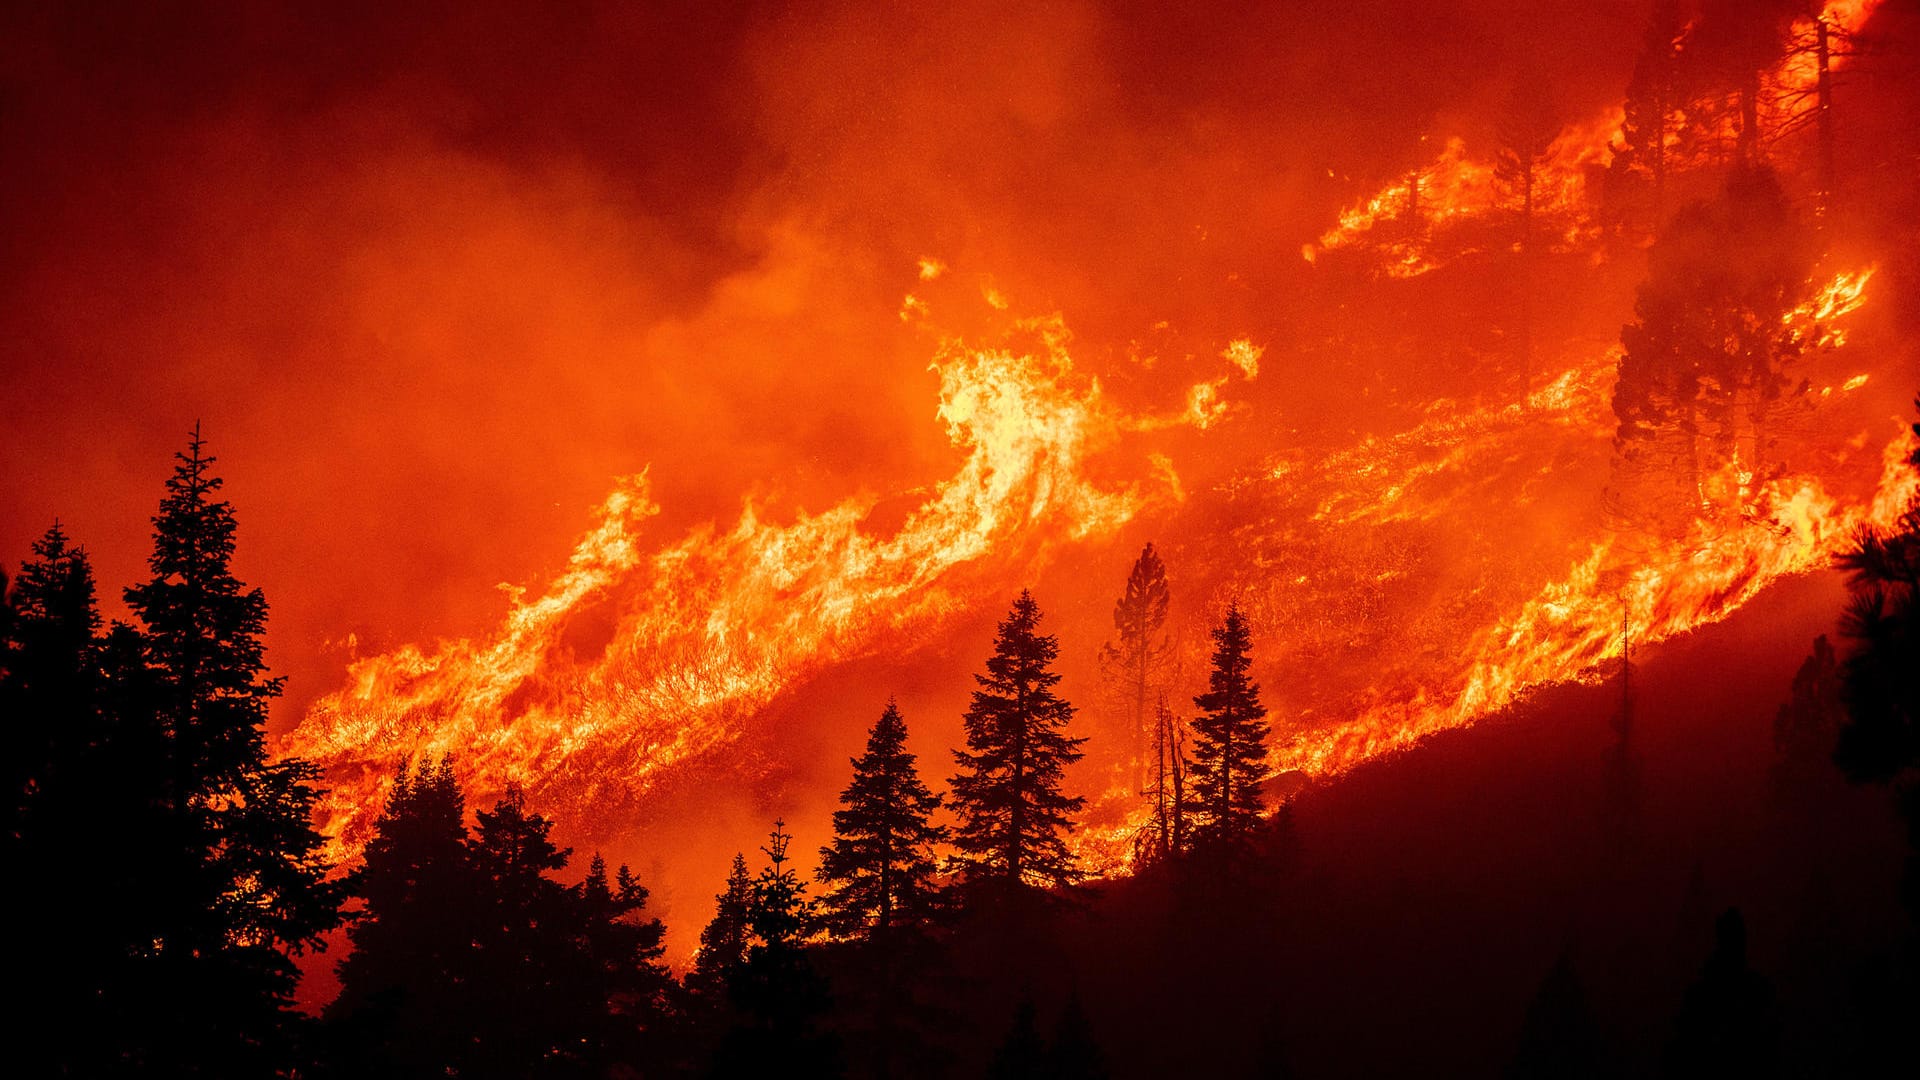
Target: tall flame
point(700, 633)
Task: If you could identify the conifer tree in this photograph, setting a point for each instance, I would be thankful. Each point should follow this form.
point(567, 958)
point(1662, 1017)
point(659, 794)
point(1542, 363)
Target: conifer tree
point(404, 989)
point(1134, 658)
point(1165, 834)
point(880, 865)
point(49, 676)
point(1007, 793)
point(1022, 1054)
point(777, 995)
point(247, 887)
point(1230, 739)
point(723, 941)
point(75, 863)
point(1654, 97)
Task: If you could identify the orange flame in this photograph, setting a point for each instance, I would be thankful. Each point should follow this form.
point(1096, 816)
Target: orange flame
point(710, 628)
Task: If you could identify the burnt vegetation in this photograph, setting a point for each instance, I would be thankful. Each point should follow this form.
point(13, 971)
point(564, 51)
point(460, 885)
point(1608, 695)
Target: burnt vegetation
point(1703, 862)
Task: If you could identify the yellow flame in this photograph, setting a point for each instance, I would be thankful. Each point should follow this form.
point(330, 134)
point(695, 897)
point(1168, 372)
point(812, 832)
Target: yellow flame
point(708, 629)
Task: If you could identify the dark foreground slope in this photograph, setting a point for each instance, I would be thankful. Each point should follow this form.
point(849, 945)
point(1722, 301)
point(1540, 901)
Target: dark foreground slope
point(1406, 918)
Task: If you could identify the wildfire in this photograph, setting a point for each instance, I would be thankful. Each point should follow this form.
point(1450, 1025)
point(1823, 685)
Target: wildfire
point(696, 636)
point(1458, 186)
point(1339, 550)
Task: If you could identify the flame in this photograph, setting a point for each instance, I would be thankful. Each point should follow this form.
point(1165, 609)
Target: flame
point(1573, 626)
point(1458, 187)
point(708, 629)
point(1489, 638)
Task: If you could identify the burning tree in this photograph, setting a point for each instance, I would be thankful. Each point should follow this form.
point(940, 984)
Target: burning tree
point(1230, 746)
point(880, 865)
point(1707, 371)
point(1134, 659)
point(1007, 794)
point(1652, 113)
point(1165, 834)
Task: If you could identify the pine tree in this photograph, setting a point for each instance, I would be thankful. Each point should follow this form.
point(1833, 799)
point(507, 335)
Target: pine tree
point(405, 987)
point(1727, 1024)
point(624, 983)
point(1527, 129)
point(1165, 833)
point(248, 887)
point(1075, 1054)
point(49, 678)
point(1007, 794)
point(1230, 744)
point(1706, 374)
point(777, 995)
point(1654, 97)
point(723, 941)
point(1134, 658)
point(1022, 1055)
point(880, 865)
point(67, 791)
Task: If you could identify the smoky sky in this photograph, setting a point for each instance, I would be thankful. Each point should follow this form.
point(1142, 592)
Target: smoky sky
point(430, 275)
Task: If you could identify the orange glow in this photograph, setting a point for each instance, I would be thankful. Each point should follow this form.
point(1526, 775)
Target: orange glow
point(707, 629)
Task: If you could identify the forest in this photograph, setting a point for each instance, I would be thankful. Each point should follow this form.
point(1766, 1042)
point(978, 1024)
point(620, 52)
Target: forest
point(1479, 640)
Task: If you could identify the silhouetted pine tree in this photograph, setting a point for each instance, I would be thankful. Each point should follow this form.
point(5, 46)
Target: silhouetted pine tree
point(49, 677)
point(1880, 740)
point(1230, 740)
point(74, 860)
point(526, 1023)
point(1881, 737)
point(1559, 1039)
point(1727, 1025)
point(1022, 1055)
point(1075, 1055)
point(777, 995)
point(246, 888)
point(624, 983)
point(1007, 794)
point(403, 1006)
point(723, 941)
point(1133, 659)
point(880, 865)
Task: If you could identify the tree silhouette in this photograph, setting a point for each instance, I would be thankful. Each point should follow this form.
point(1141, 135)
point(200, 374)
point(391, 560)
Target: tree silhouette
point(1654, 96)
point(1230, 740)
point(624, 983)
point(777, 995)
point(1022, 1054)
point(1007, 793)
point(1726, 1025)
point(1133, 659)
point(247, 887)
point(1880, 738)
point(405, 986)
point(880, 865)
point(49, 677)
point(1075, 1055)
point(1559, 1038)
point(1707, 371)
point(1526, 130)
point(1165, 834)
point(723, 941)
